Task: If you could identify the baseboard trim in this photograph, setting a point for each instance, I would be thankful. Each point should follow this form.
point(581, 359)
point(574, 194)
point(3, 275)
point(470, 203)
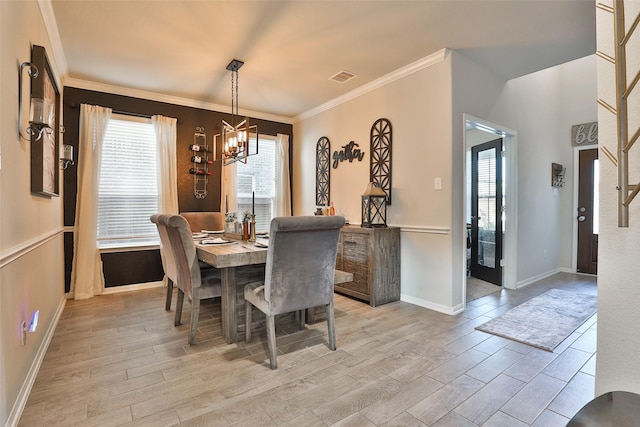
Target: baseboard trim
point(541, 276)
point(432, 306)
point(134, 287)
point(25, 390)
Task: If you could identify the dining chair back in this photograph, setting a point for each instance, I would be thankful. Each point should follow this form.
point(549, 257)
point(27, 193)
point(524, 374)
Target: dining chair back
point(190, 280)
point(299, 273)
point(210, 221)
point(168, 262)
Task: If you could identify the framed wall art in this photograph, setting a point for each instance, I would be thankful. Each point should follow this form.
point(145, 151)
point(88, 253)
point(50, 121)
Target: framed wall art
point(380, 160)
point(323, 183)
point(45, 148)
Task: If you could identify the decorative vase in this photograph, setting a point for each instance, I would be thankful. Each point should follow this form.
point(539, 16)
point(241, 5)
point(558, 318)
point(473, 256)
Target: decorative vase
point(245, 231)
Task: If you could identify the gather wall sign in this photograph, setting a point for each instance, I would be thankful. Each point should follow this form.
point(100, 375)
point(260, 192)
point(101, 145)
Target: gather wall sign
point(349, 152)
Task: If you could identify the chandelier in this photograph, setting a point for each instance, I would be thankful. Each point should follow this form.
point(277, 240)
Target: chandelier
point(238, 139)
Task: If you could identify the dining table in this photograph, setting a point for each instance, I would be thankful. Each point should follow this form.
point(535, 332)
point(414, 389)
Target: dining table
point(240, 262)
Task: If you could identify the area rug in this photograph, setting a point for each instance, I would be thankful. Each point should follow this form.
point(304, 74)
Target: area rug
point(544, 321)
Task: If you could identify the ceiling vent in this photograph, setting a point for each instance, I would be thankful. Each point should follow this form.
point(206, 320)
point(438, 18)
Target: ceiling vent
point(342, 76)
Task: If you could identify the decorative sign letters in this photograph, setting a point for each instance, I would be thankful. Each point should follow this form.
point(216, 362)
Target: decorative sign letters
point(584, 134)
point(348, 152)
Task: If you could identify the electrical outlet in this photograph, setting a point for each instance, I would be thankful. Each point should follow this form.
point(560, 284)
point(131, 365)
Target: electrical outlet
point(23, 333)
point(33, 325)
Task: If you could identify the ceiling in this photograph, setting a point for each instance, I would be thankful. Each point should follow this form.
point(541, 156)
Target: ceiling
point(291, 48)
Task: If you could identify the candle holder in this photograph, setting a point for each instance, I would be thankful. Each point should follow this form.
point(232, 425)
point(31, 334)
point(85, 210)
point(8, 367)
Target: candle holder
point(252, 227)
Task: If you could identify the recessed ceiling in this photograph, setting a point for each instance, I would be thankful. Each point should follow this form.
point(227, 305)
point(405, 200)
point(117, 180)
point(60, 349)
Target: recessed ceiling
point(290, 48)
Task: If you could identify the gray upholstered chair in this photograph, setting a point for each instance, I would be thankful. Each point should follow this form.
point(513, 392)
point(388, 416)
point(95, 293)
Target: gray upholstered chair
point(299, 273)
point(182, 268)
point(168, 263)
point(210, 221)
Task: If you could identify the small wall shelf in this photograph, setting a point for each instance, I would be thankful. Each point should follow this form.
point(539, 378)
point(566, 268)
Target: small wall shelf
point(200, 163)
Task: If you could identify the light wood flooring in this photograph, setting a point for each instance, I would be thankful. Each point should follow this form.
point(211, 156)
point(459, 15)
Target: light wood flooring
point(477, 288)
point(118, 360)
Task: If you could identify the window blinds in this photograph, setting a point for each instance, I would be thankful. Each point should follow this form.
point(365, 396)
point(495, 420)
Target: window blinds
point(128, 192)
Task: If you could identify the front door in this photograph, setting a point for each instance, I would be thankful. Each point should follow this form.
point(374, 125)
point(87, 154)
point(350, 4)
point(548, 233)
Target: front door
point(587, 215)
point(486, 211)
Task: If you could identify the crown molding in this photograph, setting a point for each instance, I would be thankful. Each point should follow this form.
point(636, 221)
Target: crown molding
point(169, 99)
point(59, 62)
point(421, 64)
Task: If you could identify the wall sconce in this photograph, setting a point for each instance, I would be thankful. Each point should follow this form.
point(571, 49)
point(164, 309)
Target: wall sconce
point(41, 111)
point(66, 157)
point(557, 175)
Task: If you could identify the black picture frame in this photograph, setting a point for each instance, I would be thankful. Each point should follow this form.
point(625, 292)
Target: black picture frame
point(45, 172)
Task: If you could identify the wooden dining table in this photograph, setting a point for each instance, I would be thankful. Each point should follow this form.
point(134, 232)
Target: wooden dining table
point(240, 263)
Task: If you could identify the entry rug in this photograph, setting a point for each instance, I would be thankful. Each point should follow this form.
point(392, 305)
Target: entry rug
point(544, 321)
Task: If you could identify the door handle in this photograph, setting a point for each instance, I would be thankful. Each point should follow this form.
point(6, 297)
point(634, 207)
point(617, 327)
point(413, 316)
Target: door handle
point(582, 218)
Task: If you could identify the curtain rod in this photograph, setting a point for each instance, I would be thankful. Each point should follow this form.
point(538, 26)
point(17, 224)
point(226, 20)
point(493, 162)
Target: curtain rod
point(129, 113)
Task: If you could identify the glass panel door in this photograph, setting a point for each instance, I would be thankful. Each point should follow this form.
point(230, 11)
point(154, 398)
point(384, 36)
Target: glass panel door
point(486, 204)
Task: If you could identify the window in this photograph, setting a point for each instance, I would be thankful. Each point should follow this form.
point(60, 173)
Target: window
point(259, 175)
point(128, 192)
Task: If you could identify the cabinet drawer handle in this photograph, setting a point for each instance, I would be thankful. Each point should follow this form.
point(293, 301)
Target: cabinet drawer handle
point(350, 242)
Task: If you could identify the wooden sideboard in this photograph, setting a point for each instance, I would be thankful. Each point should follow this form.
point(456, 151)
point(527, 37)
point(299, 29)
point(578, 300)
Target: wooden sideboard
point(373, 256)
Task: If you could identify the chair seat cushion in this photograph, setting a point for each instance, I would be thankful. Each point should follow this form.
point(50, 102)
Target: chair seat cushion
point(211, 285)
point(254, 293)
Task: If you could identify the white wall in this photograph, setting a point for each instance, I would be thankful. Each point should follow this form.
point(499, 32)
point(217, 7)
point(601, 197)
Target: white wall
point(426, 111)
point(31, 239)
point(419, 109)
point(617, 366)
point(541, 107)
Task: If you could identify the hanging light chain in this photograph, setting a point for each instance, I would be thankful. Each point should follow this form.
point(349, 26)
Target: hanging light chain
point(237, 78)
point(233, 111)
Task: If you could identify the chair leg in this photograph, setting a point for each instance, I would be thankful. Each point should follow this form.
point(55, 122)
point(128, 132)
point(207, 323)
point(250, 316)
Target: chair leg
point(271, 338)
point(247, 321)
point(331, 326)
point(195, 314)
point(167, 305)
point(179, 307)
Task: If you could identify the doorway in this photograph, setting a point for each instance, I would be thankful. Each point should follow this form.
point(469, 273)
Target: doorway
point(486, 212)
point(587, 215)
point(479, 131)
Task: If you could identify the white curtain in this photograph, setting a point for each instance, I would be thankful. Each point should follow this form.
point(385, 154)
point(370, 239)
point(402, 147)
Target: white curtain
point(166, 135)
point(283, 188)
point(87, 279)
point(229, 202)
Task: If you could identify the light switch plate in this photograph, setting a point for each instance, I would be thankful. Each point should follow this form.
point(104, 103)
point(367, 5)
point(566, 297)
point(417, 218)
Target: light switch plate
point(437, 184)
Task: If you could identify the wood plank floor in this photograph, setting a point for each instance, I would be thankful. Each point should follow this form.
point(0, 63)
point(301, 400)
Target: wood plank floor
point(118, 360)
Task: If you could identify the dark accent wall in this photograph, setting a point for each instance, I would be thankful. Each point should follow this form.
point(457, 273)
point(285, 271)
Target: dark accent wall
point(116, 273)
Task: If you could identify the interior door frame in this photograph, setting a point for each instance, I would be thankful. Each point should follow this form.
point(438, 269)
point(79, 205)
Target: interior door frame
point(576, 186)
point(510, 175)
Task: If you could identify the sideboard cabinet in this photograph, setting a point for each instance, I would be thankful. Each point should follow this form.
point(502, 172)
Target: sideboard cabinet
point(373, 256)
